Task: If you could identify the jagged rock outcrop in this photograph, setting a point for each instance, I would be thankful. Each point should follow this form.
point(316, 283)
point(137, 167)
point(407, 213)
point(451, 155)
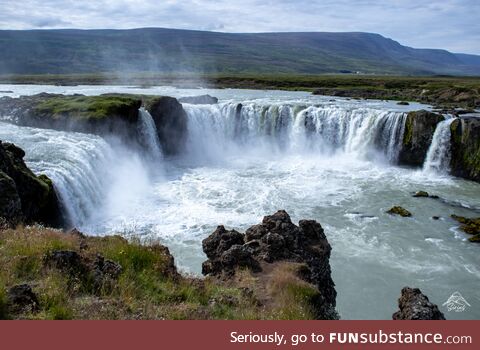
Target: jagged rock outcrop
point(419, 129)
point(199, 100)
point(414, 305)
point(465, 148)
point(276, 239)
point(25, 197)
point(171, 122)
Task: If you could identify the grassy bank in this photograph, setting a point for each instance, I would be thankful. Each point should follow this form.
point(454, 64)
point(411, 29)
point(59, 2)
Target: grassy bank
point(144, 283)
point(442, 90)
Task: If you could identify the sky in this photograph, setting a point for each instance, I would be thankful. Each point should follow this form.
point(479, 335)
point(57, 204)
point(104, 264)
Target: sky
point(447, 24)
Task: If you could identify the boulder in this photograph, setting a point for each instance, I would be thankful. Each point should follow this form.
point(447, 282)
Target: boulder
point(105, 272)
point(421, 194)
point(171, 122)
point(21, 298)
point(414, 305)
point(465, 148)
point(199, 100)
point(397, 210)
point(67, 261)
point(276, 239)
point(419, 129)
point(25, 197)
point(470, 226)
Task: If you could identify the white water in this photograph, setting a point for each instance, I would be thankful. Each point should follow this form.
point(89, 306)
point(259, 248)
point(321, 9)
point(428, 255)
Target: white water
point(216, 131)
point(438, 156)
point(335, 169)
point(148, 134)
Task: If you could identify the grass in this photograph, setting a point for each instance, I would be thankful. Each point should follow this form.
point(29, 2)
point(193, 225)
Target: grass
point(95, 107)
point(148, 287)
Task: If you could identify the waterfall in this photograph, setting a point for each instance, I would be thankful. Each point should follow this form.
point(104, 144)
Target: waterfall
point(92, 177)
point(215, 130)
point(148, 133)
point(438, 156)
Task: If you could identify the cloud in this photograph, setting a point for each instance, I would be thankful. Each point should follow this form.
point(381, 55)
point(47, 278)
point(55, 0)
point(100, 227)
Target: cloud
point(449, 24)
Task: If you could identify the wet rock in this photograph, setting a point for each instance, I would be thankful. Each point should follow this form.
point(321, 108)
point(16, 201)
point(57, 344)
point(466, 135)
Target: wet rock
point(275, 239)
point(465, 148)
point(199, 100)
point(419, 129)
point(421, 194)
point(414, 305)
point(403, 103)
point(470, 226)
point(397, 210)
point(435, 217)
point(21, 298)
point(171, 122)
point(25, 197)
point(475, 239)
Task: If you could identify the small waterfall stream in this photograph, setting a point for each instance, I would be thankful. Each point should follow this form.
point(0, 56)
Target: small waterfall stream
point(438, 156)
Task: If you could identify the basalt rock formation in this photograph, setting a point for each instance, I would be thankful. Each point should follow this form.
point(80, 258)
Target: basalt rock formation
point(419, 129)
point(414, 305)
point(25, 197)
point(465, 148)
point(275, 240)
point(171, 122)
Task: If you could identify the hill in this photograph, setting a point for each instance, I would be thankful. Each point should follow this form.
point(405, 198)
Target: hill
point(68, 51)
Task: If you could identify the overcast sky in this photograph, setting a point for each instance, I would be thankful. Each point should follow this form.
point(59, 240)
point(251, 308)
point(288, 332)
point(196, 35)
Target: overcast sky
point(448, 24)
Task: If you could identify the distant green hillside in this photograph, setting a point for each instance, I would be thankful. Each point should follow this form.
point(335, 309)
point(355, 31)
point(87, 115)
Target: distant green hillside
point(171, 50)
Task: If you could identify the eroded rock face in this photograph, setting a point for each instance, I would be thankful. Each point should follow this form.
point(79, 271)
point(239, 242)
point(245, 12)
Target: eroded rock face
point(419, 129)
point(414, 305)
point(24, 197)
point(275, 239)
point(465, 148)
point(171, 121)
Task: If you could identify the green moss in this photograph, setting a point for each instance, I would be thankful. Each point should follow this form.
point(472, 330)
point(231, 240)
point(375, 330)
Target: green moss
point(88, 107)
point(408, 133)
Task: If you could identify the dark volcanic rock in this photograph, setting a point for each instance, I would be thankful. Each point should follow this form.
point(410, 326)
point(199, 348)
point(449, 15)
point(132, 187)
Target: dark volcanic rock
point(199, 100)
point(465, 148)
point(22, 298)
point(415, 306)
point(171, 122)
point(67, 261)
point(105, 272)
point(419, 129)
point(20, 186)
point(275, 239)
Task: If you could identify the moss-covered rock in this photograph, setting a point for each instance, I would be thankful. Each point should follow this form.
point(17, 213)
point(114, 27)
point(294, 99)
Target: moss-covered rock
point(421, 194)
point(465, 149)
point(397, 210)
point(19, 185)
point(419, 129)
point(470, 226)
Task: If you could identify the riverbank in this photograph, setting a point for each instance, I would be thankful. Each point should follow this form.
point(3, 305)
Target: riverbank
point(442, 91)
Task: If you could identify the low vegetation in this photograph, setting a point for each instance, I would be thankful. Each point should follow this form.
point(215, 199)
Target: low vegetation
point(147, 286)
point(95, 107)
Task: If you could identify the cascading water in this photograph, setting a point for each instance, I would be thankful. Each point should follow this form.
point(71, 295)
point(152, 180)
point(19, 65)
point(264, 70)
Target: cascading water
point(148, 133)
point(288, 128)
point(93, 177)
point(438, 156)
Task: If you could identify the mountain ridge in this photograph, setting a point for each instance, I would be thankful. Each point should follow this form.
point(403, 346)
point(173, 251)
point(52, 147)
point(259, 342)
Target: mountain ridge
point(65, 51)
